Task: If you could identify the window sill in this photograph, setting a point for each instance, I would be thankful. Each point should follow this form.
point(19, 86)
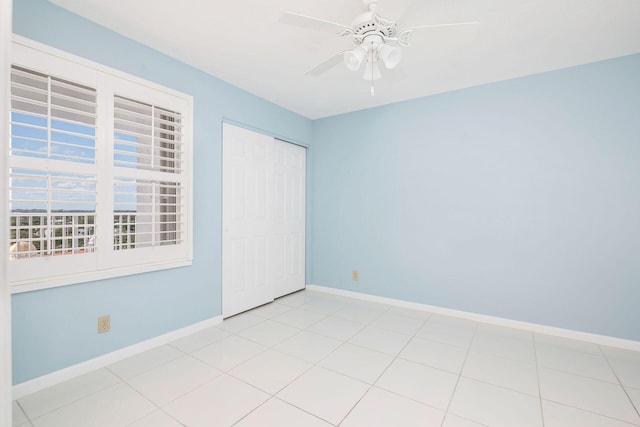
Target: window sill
point(79, 278)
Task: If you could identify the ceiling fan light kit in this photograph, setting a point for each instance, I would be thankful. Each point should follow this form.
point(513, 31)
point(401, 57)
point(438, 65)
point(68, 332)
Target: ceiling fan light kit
point(372, 72)
point(390, 55)
point(377, 39)
point(353, 58)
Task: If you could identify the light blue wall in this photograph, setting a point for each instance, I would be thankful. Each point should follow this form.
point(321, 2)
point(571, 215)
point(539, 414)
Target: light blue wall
point(56, 328)
point(519, 199)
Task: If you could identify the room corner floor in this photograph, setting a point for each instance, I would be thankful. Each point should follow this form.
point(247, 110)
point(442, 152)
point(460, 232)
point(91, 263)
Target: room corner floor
point(313, 359)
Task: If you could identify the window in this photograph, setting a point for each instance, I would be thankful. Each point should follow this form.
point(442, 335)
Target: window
point(99, 178)
point(53, 135)
point(147, 139)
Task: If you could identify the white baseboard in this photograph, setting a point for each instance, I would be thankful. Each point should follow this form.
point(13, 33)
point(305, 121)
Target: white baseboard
point(57, 377)
point(532, 327)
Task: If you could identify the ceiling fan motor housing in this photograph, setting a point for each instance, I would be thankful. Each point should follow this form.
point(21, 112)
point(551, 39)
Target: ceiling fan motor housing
point(369, 24)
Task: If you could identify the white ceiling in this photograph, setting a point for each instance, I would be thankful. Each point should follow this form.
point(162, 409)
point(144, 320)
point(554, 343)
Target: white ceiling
point(243, 43)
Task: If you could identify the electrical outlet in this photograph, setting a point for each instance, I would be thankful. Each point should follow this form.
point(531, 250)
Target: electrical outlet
point(104, 324)
point(355, 275)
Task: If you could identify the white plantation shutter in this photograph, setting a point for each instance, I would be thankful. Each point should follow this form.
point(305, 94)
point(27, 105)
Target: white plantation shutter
point(52, 176)
point(147, 137)
point(148, 201)
point(147, 213)
point(53, 214)
point(52, 118)
point(99, 178)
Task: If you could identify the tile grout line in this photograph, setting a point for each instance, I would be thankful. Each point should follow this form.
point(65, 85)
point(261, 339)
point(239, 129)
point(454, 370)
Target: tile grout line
point(624, 389)
point(123, 379)
point(136, 390)
point(317, 364)
point(73, 401)
point(283, 401)
point(172, 343)
point(535, 355)
point(158, 407)
point(464, 362)
point(312, 364)
point(501, 387)
point(162, 407)
point(343, 342)
point(24, 412)
point(382, 373)
point(592, 413)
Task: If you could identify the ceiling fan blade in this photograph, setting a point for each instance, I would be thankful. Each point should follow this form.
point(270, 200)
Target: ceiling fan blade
point(325, 65)
point(311, 22)
point(458, 33)
point(426, 27)
point(437, 10)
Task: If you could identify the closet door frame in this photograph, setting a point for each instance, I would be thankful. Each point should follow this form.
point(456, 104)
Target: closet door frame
point(263, 218)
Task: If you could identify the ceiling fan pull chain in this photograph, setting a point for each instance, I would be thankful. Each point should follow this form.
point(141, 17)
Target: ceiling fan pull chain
point(373, 92)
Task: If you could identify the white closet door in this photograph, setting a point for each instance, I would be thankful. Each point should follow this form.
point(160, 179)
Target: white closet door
point(245, 222)
point(263, 219)
point(287, 210)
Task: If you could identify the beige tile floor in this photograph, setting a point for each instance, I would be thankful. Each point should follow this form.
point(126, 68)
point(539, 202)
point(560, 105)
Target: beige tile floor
point(313, 359)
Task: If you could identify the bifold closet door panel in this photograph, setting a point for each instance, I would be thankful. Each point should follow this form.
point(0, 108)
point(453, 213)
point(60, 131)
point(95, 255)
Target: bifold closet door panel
point(287, 209)
point(245, 220)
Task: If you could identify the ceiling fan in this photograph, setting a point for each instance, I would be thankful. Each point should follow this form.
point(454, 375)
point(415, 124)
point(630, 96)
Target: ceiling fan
point(377, 39)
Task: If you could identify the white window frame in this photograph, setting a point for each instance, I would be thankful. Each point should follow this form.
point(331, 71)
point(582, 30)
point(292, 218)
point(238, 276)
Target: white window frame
point(105, 262)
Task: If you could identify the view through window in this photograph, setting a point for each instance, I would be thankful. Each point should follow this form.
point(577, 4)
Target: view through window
point(53, 129)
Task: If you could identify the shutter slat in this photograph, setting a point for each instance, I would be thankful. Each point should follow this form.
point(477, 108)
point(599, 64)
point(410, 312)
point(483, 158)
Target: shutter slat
point(79, 89)
point(158, 218)
point(122, 131)
point(156, 131)
point(70, 133)
point(70, 112)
